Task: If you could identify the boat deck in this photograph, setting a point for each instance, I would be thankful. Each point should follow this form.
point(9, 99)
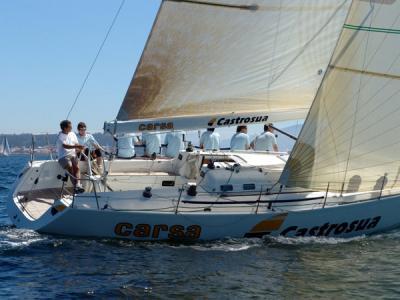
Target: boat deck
point(36, 202)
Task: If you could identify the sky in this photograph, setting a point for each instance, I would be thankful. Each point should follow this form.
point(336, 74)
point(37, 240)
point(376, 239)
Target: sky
point(47, 48)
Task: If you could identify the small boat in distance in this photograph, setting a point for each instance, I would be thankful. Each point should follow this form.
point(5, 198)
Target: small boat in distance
point(5, 147)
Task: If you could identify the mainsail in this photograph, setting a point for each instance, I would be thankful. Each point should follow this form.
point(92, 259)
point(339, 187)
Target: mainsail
point(233, 57)
point(351, 139)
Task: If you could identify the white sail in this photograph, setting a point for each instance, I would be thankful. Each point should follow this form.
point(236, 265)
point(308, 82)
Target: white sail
point(6, 149)
point(232, 57)
point(351, 136)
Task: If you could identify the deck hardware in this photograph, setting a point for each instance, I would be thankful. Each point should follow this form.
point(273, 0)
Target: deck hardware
point(147, 192)
point(192, 190)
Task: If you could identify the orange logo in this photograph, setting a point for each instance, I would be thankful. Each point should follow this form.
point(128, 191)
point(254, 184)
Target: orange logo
point(212, 122)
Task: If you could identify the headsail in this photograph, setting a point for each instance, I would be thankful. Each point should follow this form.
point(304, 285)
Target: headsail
point(219, 57)
point(351, 136)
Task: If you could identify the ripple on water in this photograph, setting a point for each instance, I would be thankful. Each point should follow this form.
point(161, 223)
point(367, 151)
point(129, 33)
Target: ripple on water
point(14, 239)
point(312, 240)
point(44, 266)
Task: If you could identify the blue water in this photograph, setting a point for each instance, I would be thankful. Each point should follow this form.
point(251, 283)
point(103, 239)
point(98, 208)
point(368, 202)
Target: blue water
point(37, 266)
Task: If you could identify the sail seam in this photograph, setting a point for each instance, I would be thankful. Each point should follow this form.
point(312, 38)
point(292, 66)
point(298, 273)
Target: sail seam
point(373, 29)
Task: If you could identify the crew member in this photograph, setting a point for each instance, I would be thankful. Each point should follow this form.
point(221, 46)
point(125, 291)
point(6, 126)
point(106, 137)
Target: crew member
point(67, 145)
point(90, 143)
point(209, 140)
point(126, 146)
point(266, 141)
point(174, 142)
point(153, 144)
point(240, 140)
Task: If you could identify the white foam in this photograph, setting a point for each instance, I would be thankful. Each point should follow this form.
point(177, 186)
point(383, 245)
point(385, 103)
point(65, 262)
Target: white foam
point(313, 240)
point(18, 238)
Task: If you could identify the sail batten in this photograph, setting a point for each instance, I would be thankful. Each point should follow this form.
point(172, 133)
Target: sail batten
point(207, 58)
point(350, 138)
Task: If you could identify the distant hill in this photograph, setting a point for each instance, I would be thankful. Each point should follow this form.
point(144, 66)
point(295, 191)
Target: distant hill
point(25, 139)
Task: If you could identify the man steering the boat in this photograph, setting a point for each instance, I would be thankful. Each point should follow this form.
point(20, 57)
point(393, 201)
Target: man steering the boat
point(67, 145)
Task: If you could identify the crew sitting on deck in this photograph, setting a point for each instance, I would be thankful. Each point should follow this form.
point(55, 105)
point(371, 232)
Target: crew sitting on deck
point(126, 146)
point(240, 140)
point(266, 141)
point(209, 140)
point(152, 141)
point(67, 145)
point(87, 140)
point(174, 142)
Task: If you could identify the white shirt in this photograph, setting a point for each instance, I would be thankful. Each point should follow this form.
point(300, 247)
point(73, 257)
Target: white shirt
point(240, 141)
point(152, 142)
point(66, 139)
point(87, 140)
point(174, 141)
point(125, 146)
point(210, 140)
point(265, 141)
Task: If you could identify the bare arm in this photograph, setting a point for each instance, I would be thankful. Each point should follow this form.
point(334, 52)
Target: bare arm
point(275, 147)
point(79, 147)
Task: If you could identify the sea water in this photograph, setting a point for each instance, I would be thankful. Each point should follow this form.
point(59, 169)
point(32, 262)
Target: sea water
point(38, 266)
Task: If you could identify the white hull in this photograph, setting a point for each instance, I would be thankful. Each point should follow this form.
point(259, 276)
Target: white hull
point(172, 214)
point(334, 221)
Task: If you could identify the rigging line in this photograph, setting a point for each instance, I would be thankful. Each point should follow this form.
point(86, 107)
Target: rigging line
point(372, 151)
point(376, 51)
point(356, 52)
point(307, 44)
point(271, 77)
point(391, 112)
point(373, 73)
point(370, 99)
point(327, 157)
point(333, 62)
point(380, 164)
point(348, 43)
point(367, 114)
point(95, 59)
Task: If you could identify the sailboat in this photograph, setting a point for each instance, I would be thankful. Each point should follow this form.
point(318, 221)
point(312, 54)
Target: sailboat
point(5, 148)
point(227, 63)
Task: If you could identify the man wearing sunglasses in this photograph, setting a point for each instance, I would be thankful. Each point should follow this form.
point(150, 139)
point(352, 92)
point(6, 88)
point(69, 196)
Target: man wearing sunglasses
point(90, 143)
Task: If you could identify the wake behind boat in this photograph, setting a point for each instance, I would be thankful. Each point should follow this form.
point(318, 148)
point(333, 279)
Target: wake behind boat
point(341, 178)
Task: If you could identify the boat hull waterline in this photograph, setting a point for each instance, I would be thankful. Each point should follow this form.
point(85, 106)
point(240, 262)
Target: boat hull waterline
point(344, 221)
